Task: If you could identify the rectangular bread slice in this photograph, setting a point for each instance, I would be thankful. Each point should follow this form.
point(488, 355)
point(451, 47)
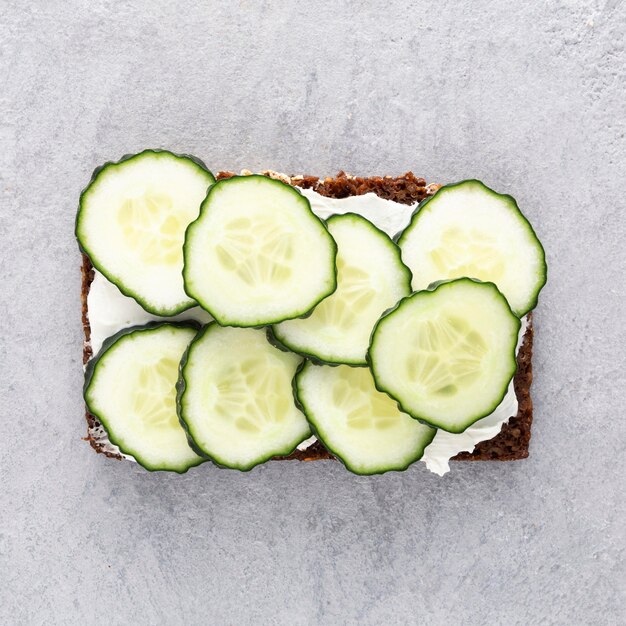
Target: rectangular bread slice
point(513, 440)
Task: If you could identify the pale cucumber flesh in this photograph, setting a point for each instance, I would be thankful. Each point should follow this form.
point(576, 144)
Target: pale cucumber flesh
point(370, 278)
point(257, 254)
point(359, 424)
point(447, 355)
point(131, 389)
point(236, 400)
point(470, 230)
point(132, 220)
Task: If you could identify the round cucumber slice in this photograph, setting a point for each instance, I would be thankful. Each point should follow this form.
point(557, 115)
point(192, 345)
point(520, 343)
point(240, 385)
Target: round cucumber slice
point(235, 397)
point(130, 386)
point(360, 425)
point(257, 254)
point(467, 229)
point(447, 355)
point(131, 223)
point(370, 278)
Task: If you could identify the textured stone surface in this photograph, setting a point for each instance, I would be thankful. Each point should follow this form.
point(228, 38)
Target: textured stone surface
point(530, 97)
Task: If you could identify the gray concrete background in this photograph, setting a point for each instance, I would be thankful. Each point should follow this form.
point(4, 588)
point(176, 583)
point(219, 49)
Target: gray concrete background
point(530, 97)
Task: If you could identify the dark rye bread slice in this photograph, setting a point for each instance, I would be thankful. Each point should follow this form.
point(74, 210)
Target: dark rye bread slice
point(513, 440)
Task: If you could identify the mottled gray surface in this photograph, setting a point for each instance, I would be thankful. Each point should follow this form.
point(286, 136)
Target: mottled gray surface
point(529, 97)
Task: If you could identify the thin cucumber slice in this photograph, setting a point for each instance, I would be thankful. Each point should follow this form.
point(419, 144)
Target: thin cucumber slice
point(235, 397)
point(131, 223)
point(360, 425)
point(257, 254)
point(130, 386)
point(467, 229)
point(447, 355)
point(370, 278)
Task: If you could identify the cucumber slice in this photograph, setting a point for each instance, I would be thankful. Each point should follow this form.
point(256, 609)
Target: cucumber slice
point(130, 386)
point(235, 397)
point(257, 254)
point(467, 229)
point(131, 223)
point(447, 355)
point(360, 425)
point(370, 278)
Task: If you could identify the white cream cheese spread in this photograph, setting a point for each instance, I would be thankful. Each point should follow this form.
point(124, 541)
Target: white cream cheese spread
point(110, 311)
point(446, 445)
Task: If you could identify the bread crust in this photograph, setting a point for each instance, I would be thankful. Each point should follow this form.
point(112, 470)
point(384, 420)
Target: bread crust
point(512, 443)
